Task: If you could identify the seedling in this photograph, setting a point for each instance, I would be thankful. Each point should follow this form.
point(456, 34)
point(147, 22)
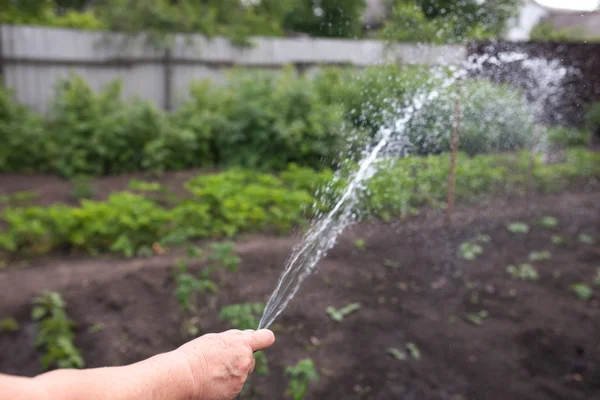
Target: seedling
point(97, 327)
point(518, 227)
point(557, 239)
point(391, 263)
point(339, 315)
point(481, 238)
point(540, 255)
point(55, 333)
point(414, 351)
point(187, 285)
point(301, 375)
point(548, 222)
point(360, 244)
point(524, 272)
point(582, 291)
point(9, 325)
point(477, 318)
point(586, 239)
point(470, 251)
point(223, 255)
point(397, 353)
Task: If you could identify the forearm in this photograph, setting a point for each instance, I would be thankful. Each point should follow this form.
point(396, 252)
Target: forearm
point(163, 377)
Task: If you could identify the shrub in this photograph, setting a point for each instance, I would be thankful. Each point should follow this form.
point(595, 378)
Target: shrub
point(24, 145)
point(568, 137)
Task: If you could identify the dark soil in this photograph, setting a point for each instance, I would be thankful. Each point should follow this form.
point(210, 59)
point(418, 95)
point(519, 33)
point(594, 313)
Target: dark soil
point(539, 341)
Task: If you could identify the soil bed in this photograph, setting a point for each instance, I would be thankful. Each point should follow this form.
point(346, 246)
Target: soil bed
point(539, 340)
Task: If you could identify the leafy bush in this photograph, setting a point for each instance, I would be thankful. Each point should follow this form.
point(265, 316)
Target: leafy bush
point(568, 137)
point(55, 333)
point(24, 146)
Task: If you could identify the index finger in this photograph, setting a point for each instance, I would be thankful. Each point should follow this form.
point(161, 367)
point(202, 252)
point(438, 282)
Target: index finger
point(260, 340)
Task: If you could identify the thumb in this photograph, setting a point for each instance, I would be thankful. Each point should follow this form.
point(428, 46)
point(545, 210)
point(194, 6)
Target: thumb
point(260, 340)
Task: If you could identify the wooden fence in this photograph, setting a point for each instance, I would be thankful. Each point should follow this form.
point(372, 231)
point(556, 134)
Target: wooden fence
point(33, 59)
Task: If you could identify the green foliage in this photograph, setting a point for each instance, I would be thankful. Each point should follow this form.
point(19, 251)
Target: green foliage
point(582, 291)
point(548, 222)
point(360, 244)
point(524, 272)
point(470, 251)
point(477, 318)
point(398, 354)
point(448, 21)
point(547, 32)
point(568, 137)
point(557, 239)
point(518, 227)
point(339, 315)
point(592, 118)
point(414, 351)
point(24, 142)
point(330, 18)
point(540, 255)
point(55, 333)
point(300, 376)
point(9, 325)
point(187, 286)
point(586, 239)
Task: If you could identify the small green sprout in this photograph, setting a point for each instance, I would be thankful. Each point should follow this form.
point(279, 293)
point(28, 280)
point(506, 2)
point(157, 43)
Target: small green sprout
point(557, 239)
point(548, 222)
point(524, 272)
point(301, 375)
point(360, 244)
point(586, 239)
point(397, 353)
point(582, 291)
point(414, 351)
point(518, 227)
point(9, 325)
point(540, 255)
point(339, 315)
point(470, 251)
point(477, 318)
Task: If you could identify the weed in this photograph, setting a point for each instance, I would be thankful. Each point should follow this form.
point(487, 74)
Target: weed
point(339, 315)
point(518, 227)
point(586, 239)
point(82, 187)
point(9, 325)
point(55, 333)
point(477, 318)
point(360, 244)
point(557, 239)
point(540, 255)
point(300, 376)
point(548, 222)
point(582, 291)
point(524, 272)
point(470, 251)
point(414, 351)
point(397, 353)
point(187, 285)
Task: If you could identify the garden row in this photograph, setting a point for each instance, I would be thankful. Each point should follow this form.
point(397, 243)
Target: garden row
point(258, 120)
point(146, 218)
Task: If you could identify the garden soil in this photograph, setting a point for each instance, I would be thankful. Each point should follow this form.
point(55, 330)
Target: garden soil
point(538, 342)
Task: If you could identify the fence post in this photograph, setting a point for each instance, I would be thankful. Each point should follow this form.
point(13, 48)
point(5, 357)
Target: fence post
point(453, 153)
point(168, 80)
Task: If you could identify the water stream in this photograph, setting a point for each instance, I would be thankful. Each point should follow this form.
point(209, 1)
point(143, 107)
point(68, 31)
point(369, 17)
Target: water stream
point(324, 232)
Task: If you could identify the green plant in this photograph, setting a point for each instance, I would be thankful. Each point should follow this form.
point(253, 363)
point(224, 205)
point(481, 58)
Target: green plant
point(82, 188)
point(586, 239)
point(548, 222)
point(540, 255)
point(397, 353)
point(470, 251)
point(518, 227)
point(222, 254)
point(187, 285)
point(597, 278)
point(414, 351)
point(95, 328)
point(477, 318)
point(9, 325)
point(55, 332)
point(339, 315)
point(582, 291)
point(524, 272)
point(300, 376)
point(568, 137)
point(557, 239)
point(360, 244)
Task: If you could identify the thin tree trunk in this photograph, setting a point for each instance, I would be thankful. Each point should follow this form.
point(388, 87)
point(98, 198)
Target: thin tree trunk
point(453, 154)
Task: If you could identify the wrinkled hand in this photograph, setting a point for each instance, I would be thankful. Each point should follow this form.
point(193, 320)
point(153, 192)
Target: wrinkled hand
point(220, 363)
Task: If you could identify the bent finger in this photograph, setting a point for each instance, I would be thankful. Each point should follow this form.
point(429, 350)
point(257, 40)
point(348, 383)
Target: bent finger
point(261, 339)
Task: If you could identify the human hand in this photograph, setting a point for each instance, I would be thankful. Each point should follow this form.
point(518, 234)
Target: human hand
point(220, 363)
